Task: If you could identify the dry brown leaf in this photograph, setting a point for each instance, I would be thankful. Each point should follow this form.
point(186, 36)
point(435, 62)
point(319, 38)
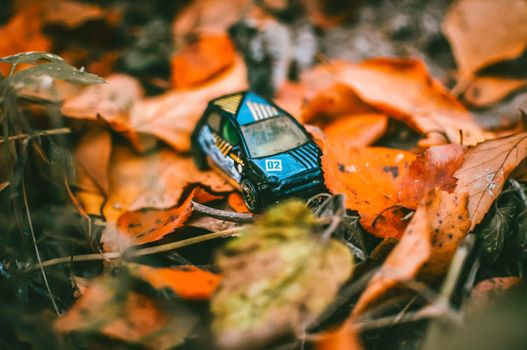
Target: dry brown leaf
point(485, 170)
point(485, 91)
point(188, 282)
point(201, 60)
point(485, 32)
point(435, 167)
point(369, 177)
point(107, 308)
point(172, 116)
point(330, 13)
point(356, 130)
point(426, 247)
point(154, 181)
point(403, 88)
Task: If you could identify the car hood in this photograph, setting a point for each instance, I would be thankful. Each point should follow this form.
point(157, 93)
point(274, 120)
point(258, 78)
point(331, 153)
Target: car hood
point(290, 163)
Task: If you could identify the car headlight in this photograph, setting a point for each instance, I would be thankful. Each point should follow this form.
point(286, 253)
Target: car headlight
point(273, 180)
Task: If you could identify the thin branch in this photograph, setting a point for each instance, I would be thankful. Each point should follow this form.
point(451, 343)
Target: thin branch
point(30, 223)
point(50, 132)
point(222, 214)
point(139, 252)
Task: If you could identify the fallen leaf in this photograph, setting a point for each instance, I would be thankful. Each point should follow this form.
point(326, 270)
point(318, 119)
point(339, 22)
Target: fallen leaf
point(330, 13)
point(154, 181)
point(485, 170)
point(434, 167)
point(22, 33)
point(356, 130)
point(369, 177)
point(332, 102)
point(93, 154)
point(200, 61)
point(403, 89)
point(107, 308)
point(485, 91)
point(267, 289)
point(208, 17)
point(70, 14)
point(150, 225)
point(172, 116)
point(426, 247)
point(485, 32)
point(344, 338)
point(188, 282)
point(237, 203)
point(112, 102)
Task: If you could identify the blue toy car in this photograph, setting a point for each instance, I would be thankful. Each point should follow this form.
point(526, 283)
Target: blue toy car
point(261, 148)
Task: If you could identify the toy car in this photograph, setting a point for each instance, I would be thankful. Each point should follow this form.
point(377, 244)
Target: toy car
point(261, 148)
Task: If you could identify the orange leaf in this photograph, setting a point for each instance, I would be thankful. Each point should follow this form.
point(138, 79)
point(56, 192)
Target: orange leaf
point(201, 60)
point(403, 88)
point(485, 91)
point(433, 168)
point(356, 130)
point(22, 33)
point(106, 308)
point(485, 170)
point(344, 338)
point(149, 225)
point(369, 178)
point(188, 282)
point(427, 245)
point(154, 181)
point(485, 32)
point(172, 116)
point(237, 203)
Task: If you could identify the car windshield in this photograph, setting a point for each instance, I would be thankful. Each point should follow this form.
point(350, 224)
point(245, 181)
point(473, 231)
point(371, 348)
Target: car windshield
point(272, 136)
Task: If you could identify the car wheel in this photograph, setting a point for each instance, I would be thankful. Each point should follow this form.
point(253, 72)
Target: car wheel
point(251, 196)
point(200, 159)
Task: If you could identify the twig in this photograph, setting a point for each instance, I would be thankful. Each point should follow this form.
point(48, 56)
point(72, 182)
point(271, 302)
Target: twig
point(50, 132)
point(4, 185)
point(30, 223)
point(222, 214)
point(139, 252)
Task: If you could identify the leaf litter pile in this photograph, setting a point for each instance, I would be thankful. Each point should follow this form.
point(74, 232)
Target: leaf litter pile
point(111, 238)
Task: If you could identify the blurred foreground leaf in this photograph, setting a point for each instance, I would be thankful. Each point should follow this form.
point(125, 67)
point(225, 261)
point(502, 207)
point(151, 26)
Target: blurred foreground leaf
point(278, 277)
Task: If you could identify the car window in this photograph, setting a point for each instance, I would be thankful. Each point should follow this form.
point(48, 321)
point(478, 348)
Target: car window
point(272, 136)
point(213, 120)
point(230, 134)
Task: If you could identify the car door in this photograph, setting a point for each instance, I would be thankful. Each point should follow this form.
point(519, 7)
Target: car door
point(208, 136)
point(229, 145)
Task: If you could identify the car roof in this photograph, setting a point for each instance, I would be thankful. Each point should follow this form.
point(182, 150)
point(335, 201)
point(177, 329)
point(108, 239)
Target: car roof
point(246, 107)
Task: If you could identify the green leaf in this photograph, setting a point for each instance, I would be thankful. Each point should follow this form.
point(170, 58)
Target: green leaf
point(497, 226)
point(31, 57)
point(278, 277)
point(43, 75)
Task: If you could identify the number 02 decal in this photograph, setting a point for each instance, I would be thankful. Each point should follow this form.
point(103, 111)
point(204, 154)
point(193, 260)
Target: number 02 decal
point(273, 165)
